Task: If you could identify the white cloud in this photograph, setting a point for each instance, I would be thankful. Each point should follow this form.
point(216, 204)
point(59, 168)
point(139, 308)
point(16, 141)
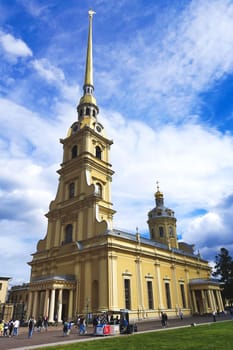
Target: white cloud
point(34, 8)
point(17, 240)
point(14, 46)
point(213, 228)
point(167, 73)
point(56, 78)
point(187, 157)
point(48, 71)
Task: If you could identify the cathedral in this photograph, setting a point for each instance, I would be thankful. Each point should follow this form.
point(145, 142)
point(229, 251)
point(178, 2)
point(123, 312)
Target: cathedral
point(85, 266)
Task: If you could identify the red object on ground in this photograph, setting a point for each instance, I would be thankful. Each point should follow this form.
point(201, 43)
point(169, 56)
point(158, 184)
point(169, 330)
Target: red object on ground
point(106, 329)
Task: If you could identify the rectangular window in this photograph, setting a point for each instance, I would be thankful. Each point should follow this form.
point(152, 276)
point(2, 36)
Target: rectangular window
point(71, 189)
point(182, 291)
point(0, 286)
point(168, 295)
point(127, 294)
point(150, 295)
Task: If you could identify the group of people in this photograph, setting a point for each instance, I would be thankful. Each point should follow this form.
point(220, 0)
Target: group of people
point(41, 323)
point(105, 319)
point(9, 329)
point(80, 323)
point(67, 328)
point(164, 317)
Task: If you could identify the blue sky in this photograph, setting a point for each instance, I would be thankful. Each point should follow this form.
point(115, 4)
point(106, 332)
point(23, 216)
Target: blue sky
point(163, 76)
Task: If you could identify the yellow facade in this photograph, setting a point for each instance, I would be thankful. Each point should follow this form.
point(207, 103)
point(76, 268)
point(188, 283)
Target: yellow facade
point(3, 288)
point(84, 265)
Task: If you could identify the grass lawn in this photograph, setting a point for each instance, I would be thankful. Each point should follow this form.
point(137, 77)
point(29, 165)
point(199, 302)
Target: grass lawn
point(215, 336)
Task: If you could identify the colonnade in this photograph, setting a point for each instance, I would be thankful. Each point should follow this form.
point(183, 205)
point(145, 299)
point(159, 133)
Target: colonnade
point(206, 300)
point(50, 302)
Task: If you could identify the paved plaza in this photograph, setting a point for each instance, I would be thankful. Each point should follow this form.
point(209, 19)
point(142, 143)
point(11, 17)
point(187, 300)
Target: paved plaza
point(54, 335)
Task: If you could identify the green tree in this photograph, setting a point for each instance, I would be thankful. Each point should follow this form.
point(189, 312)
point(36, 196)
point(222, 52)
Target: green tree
point(224, 270)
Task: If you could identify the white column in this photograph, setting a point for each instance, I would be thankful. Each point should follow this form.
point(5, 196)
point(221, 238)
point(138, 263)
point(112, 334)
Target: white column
point(46, 303)
point(221, 307)
point(70, 306)
point(210, 299)
point(51, 306)
point(59, 306)
point(194, 301)
point(214, 300)
point(204, 302)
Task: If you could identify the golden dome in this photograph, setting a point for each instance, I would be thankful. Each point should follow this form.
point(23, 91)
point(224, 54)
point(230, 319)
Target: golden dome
point(158, 193)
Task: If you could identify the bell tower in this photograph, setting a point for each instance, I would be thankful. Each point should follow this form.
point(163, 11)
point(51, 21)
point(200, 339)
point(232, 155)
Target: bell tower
point(162, 222)
point(82, 208)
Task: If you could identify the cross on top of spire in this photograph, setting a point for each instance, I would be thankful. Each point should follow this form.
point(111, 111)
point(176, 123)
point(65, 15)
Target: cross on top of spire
point(91, 13)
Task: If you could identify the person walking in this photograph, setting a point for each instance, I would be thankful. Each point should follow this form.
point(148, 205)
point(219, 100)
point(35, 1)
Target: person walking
point(39, 325)
point(31, 325)
point(65, 328)
point(16, 327)
point(95, 324)
point(214, 316)
point(10, 328)
point(45, 323)
point(181, 314)
point(5, 329)
point(164, 319)
point(82, 326)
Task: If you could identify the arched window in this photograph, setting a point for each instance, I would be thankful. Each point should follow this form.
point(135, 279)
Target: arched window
point(71, 189)
point(152, 233)
point(74, 151)
point(161, 231)
point(87, 111)
point(93, 113)
point(68, 233)
point(99, 189)
point(171, 232)
point(98, 152)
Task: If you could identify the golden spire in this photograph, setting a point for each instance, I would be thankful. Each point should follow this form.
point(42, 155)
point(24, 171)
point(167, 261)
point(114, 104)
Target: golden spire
point(89, 63)
point(87, 104)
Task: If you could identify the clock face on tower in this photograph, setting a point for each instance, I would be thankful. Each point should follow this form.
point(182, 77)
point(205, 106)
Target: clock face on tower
point(98, 128)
